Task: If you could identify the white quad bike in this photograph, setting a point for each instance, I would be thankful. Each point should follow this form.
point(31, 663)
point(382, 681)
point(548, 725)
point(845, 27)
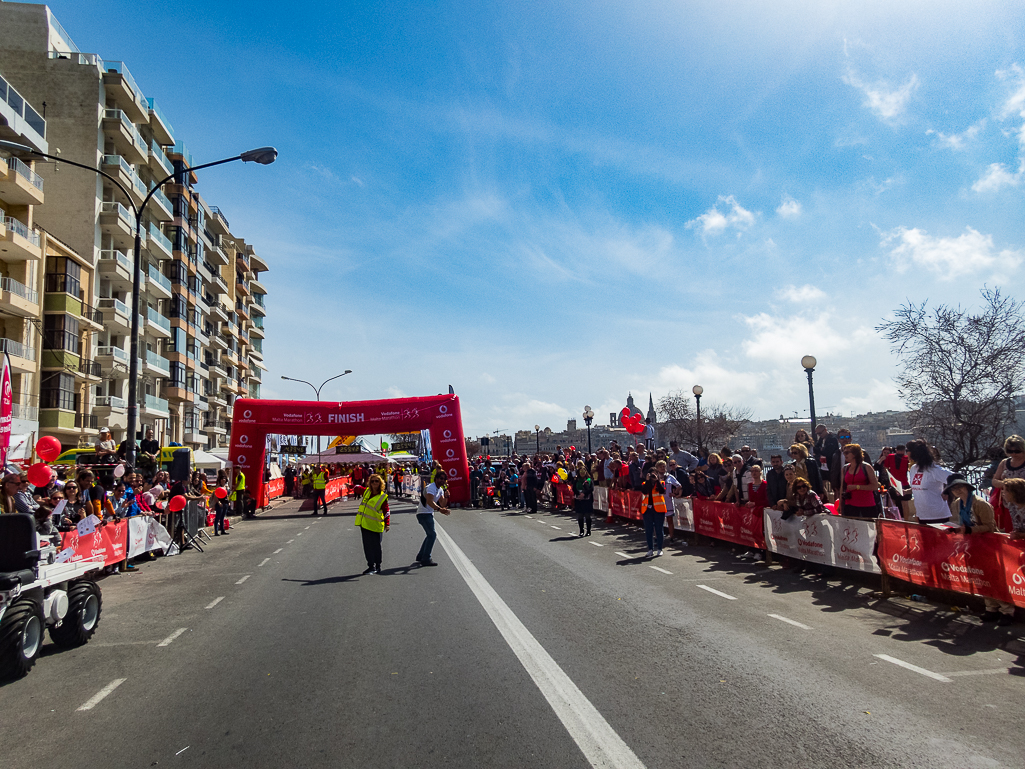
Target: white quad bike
point(36, 592)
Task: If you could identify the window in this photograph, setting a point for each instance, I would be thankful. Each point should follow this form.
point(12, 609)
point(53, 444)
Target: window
point(177, 341)
point(177, 307)
point(178, 375)
point(63, 275)
point(60, 332)
point(58, 392)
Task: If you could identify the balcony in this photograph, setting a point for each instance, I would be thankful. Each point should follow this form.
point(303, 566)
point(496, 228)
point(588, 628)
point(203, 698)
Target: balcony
point(18, 299)
point(159, 165)
point(158, 283)
point(163, 209)
point(116, 314)
point(91, 316)
point(217, 284)
point(214, 425)
point(159, 124)
point(217, 310)
point(258, 264)
point(257, 288)
point(257, 331)
point(218, 224)
point(118, 222)
point(108, 403)
point(160, 245)
point(22, 123)
point(116, 266)
point(216, 369)
point(155, 406)
point(125, 136)
point(23, 357)
point(111, 355)
point(158, 324)
point(90, 369)
point(120, 169)
point(17, 242)
point(119, 83)
point(19, 184)
point(242, 311)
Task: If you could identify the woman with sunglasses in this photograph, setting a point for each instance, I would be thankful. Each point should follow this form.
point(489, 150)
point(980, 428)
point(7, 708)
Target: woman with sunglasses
point(1014, 465)
point(74, 510)
point(11, 484)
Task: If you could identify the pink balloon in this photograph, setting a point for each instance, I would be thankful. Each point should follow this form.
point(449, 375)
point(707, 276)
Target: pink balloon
point(39, 474)
point(48, 448)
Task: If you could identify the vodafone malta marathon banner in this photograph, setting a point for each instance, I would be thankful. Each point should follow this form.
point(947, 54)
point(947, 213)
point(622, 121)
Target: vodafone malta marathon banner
point(827, 539)
point(6, 409)
point(108, 540)
point(626, 504)
point(990, 565)
point(146, 533)
point(720, 520)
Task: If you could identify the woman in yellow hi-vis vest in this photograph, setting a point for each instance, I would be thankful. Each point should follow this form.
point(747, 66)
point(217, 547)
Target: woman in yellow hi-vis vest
point(319, 488)
point(374, 520)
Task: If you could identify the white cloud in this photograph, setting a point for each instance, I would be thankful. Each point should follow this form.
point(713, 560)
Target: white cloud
point(800, 294)
point(789, 208)
point(950, 258)
point(1015, 103)
point(885, 102)
point(714, 222)
point(997, 176)
point(957, 141)
point(395, 392)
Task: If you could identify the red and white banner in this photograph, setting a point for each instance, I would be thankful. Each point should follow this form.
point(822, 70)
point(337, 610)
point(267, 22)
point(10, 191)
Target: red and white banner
point(336, 487)
point(719, 520)
point(6, 409)
point(109, 541)
point(827, 539)
point(989, 565)
point(145, 534)
point(564, 494)
point(272, 489)
point(626, 504)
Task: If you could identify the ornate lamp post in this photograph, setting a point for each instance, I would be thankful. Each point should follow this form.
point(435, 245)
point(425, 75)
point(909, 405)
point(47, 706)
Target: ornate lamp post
point(808, 361)
point(697, 390)
point(537, 437)
point(588, 418)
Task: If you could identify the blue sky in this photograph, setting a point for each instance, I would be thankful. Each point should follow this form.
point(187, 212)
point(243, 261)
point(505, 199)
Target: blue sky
point(551, 204)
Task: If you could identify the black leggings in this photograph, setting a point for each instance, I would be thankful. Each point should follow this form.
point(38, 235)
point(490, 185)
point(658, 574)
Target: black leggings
point(372, 546)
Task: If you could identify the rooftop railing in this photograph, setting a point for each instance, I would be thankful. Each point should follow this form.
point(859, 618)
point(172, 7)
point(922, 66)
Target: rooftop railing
point(121, 69)
point(156, 151)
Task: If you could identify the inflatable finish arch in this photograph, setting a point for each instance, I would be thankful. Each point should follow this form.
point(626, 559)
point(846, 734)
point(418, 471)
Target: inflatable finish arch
point(254, 419)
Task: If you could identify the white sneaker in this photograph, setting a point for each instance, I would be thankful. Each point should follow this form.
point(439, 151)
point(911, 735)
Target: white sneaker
point(658, 553)
point(651, 554)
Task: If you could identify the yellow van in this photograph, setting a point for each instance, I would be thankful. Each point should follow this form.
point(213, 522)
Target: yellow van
point(85, 455)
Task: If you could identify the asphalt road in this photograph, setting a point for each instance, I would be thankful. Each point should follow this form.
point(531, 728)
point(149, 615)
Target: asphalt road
point(525, 647)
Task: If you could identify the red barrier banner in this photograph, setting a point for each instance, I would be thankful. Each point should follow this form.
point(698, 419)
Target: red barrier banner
point(626, 504)
point(719, 520)
point(336, 487)
point(109, 541)
point(990, 565)
point(271, 490)
point(564, 494)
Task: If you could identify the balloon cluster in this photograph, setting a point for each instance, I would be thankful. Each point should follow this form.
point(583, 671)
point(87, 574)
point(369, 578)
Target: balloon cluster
point(634, 423)
point(48, 449)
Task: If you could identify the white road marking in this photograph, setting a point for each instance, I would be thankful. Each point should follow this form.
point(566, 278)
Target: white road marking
point(175, 634)
point(990, 672)
point(305, 529)
point(718, 592)
point(243, 579)
point(97, 698)
point(214, 602)
point(795, 623)
point(598, 544)
point(915, 668)
point(299, 534)
point(659, 568)
point(557, 527)
point(290, 542)
point(625, 555)
point(597, 740)
point(530, 517)
point(277, 551)
point(264, 561)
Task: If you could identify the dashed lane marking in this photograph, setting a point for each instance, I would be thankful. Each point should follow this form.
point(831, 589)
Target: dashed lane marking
point(97, 698)
point(718, 592)
point(278, 551)
point(243, 579)
point(659, 568)
point(167, 641)
point(299, 534)
point(557, 527)
point(598, 544)
point(214, 602)
point(290, 542)
point(913, 668)
point(626, 555)
point(264, 561)
point(793, 622)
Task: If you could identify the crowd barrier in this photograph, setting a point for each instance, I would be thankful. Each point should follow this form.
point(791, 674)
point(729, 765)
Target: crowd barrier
point(272, 489)
point(988, 565)
point(336, 488)
point(114, 541)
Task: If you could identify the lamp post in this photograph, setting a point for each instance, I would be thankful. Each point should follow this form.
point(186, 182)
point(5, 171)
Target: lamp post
point(588, 418)
point(317, 391)
point(537, 436)
point(264, 156)
point(697, 390)
point(808, 361)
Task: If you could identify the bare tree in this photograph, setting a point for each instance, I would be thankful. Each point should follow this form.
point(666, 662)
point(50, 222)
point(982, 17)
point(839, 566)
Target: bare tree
point(677, 421)
point(472, 447)
point(960, 372)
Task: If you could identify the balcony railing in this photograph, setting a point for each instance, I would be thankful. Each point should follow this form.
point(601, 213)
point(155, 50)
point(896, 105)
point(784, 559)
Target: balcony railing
point(86, 421)
point(115, 304)
point(22, 108)
point(129, 126)
point(157, 277)
point(19, 411)
point(127, 170)
point(158, 362)
point(155, 151)
point(120, 257)
point(162, 198)
point(159, 237)
point(155, 403)
point(114, 352)
point(20, 289)
point(157, 319)
point(109, 402)
point(121, 69)
point(181, 149)
point(258, 299)
point(18, 349)
point(23, 170)
point(155, 109)
point(89, 367)
point(258, 321)
point(218, 215)
point(116, 208)
point(91, 313)
point(21, 229)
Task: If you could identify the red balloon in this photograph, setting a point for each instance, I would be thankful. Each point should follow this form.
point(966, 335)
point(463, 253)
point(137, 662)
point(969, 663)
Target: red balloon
point(220, 492)
point(177, 504)
point(625, 412)
point(572, 448)
point(48, 448)
point(39, 474)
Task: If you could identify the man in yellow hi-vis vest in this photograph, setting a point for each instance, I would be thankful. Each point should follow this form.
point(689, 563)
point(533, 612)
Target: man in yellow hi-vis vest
point(319, 480)
point(374, 520)
point(238, 492)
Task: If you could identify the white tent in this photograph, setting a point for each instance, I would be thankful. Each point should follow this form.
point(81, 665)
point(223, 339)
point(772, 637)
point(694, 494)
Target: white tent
point(208, 461)
point(329, 458)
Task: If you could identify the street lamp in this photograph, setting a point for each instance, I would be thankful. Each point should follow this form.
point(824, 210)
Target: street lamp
point(588, 418)
point(697, 390)
point(317, 391)
point(537, 436)
point(808, 361)
point(264, 156)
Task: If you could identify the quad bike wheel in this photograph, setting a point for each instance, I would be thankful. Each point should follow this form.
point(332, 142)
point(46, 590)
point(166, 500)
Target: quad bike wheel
point(21, 637)
point(84, 606)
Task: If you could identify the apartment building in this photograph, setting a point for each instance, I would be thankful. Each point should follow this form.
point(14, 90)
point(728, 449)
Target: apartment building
point(192, 309)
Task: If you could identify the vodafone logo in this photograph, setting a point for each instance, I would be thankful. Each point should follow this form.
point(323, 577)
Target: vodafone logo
point(450, 453)
point(447, 434)
point(242, 460)
point(1018, 579)
point(247, 414)
point(243, 439)
point(443, 409)
point(453, 473)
